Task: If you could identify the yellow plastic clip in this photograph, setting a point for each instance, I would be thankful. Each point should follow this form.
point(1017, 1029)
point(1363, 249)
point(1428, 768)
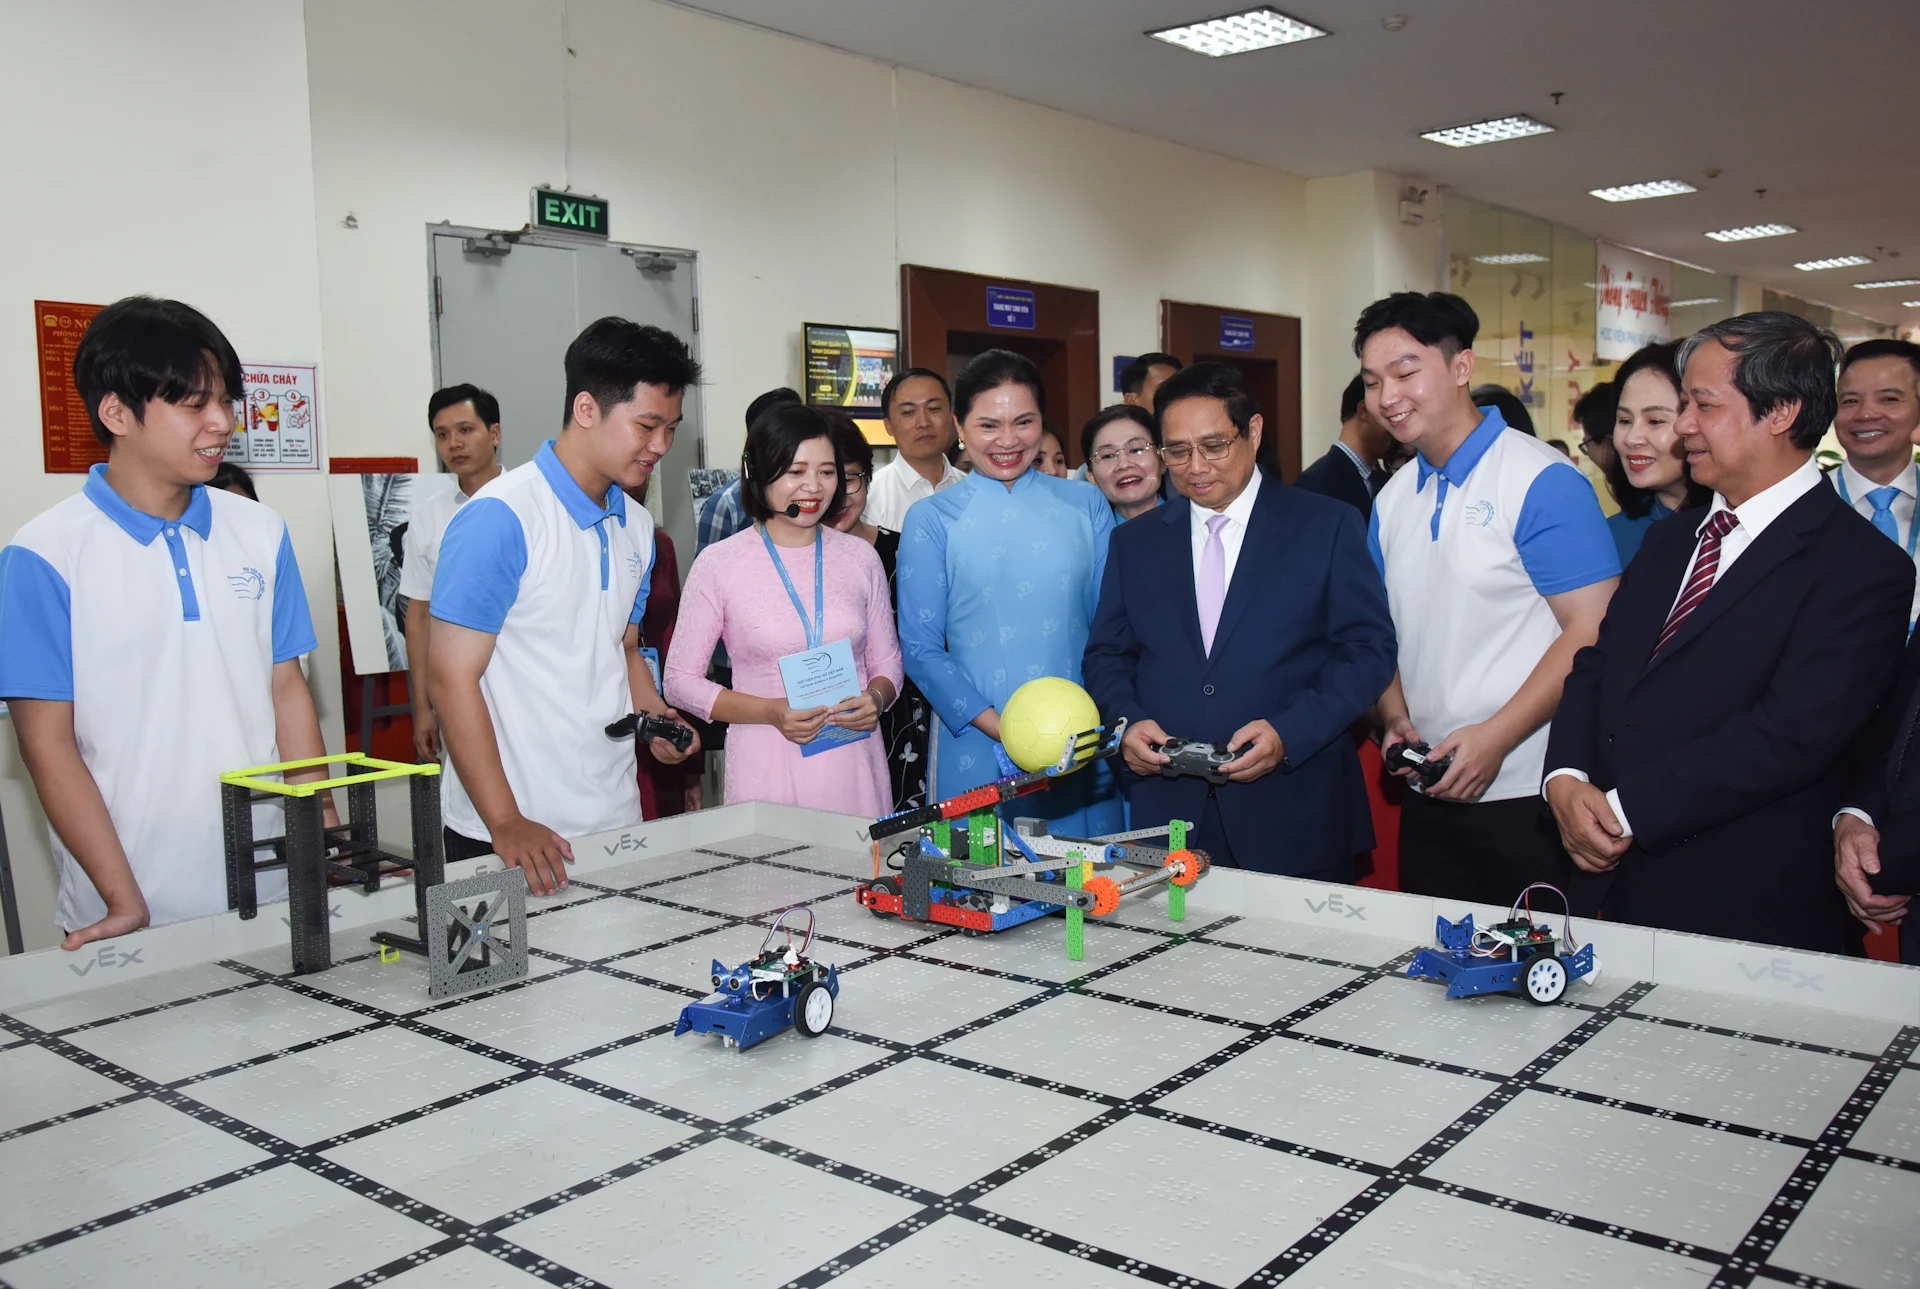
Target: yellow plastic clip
point(389, 953)
point(1086, 871)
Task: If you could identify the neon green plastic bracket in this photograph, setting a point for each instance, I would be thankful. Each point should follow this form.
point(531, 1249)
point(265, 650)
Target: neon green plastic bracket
point(1177, 895)
point(376, 769)
point(1076, 918)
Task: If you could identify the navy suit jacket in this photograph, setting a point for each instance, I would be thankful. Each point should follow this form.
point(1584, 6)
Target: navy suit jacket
point(1886, 783)
point(1334, 475)
point(1304, 641)
point(1729, 750)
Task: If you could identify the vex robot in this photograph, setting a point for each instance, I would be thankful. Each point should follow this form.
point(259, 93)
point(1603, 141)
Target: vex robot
point(778, 987)
point(958, 865)
point(1516, 956)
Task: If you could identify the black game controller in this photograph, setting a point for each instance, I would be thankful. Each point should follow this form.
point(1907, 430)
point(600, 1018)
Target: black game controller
point(645, 729)
point(1417, 757)
point(1200, 760)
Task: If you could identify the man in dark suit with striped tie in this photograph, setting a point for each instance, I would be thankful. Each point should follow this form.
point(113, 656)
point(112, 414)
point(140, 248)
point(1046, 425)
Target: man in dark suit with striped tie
point(1699, 752)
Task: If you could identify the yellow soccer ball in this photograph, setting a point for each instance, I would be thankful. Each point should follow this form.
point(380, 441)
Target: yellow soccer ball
point(1041, 716)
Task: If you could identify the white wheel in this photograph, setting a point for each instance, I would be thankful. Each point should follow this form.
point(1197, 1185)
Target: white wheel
point(813, 1010)
point(1546, 980)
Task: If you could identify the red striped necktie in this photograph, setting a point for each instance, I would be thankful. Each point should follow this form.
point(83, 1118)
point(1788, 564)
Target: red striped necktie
point(1705, 566)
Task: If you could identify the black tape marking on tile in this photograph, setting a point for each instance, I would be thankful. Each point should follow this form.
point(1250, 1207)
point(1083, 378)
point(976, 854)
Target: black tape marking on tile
point(1382, 1181)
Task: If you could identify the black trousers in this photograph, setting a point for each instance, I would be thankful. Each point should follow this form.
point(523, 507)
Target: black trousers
point(459, 846)
point(1210, 834)
point(1483, 851)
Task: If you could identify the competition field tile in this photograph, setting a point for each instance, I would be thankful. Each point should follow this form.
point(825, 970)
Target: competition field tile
point(1228, 1101)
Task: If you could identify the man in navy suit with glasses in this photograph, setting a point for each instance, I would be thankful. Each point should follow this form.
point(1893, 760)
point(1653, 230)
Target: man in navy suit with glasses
point(1248, 614)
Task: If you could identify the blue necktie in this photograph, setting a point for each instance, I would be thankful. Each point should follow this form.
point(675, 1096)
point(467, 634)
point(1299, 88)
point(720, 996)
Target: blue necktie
point(1881, 499)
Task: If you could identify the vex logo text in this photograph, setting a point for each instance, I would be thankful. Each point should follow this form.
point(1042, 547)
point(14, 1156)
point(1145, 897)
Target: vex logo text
point(1783, 970)
point(627, 842)
point(1337, 906)
point(109, 957)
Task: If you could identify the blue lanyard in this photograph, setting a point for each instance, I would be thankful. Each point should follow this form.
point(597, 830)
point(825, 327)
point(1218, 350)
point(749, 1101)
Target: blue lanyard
point(816, 629)
point(1913, 525)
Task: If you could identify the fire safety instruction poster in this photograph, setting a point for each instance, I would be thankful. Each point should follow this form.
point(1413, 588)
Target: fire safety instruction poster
point(279, 418)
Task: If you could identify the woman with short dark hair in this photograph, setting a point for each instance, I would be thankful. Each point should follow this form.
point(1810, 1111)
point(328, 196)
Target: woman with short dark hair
point(1119, 444)
point(788, 586)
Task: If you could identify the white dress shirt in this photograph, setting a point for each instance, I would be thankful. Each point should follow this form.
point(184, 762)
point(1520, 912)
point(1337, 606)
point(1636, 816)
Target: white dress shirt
point(1853, 488)
point(1755, 514)
point(896, 485)
point(1233, 534)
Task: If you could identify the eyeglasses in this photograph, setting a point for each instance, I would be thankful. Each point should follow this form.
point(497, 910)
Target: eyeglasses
point(855, 480)
point(1134, 453)
point(1590, 446)
point(1178, 454)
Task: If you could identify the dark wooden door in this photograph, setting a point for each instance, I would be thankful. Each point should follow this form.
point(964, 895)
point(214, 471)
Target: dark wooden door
point(1266, 349)
point(945, 320)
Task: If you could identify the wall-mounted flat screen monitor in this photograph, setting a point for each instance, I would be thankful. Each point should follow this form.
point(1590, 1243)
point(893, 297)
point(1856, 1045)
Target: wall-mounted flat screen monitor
point(848, 367)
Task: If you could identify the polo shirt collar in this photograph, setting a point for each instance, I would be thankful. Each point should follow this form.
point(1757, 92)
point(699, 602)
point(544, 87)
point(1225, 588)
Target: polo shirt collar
point(581, 508)
point(1464, 457)
point(138, 524)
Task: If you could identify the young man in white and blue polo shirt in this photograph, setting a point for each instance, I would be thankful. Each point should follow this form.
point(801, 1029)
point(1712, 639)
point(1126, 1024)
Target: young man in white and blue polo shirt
point(537, 599)
point(1498, 567)
point(151, 630)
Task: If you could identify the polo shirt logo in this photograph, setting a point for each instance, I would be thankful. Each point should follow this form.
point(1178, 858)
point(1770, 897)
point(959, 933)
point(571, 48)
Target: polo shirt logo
point(1480, 514)
point(634, 564)
point(248, 584)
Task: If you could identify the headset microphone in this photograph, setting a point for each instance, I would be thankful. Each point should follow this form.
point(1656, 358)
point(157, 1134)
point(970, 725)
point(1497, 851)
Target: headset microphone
point(793, 511)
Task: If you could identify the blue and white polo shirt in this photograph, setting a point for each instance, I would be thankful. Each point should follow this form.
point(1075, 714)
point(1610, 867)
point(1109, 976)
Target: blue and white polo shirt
point(556, 577)
point(163, 634)
point(1469, 550)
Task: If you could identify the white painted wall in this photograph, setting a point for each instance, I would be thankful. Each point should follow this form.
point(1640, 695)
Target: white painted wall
point(1361, 251)
point(803, 176)
point(160, 149)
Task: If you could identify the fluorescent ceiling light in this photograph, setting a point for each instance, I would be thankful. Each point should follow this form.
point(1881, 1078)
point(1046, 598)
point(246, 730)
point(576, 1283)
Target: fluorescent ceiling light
point(1705, 299)
point(1892, 281)
point(1511, 257)
point(1837, 262)
point(1910, 304)
point(1752, 231)
point(1239, 33)
point(1640, 192)
point(1494, 131)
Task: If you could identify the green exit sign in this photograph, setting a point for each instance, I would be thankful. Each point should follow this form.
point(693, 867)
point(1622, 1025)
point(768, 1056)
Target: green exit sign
point(570, 212)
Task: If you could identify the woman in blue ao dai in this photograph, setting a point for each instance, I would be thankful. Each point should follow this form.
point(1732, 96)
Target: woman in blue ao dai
point(998, 577)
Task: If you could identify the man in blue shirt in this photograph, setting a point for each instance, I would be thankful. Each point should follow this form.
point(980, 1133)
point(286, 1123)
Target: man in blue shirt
point(537, 600)
point(1498, 567)
point(151, 631)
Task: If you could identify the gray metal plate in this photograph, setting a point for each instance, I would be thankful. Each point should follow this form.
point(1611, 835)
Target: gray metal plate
point(492, 910)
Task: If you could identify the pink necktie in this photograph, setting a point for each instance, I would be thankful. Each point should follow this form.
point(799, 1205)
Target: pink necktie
point(1212, 590)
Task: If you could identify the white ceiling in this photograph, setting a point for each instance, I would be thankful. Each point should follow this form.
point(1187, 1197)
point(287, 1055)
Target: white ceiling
point(1819, 104)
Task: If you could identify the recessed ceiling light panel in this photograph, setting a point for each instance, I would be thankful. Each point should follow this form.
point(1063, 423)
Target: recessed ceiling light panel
point(1239, 33)
point(1751, 231)
point(1494, 131)
point(1837, 262)
point(1910, 304)
point(1892, 281)
point(1511, 257)
point(1640, 192)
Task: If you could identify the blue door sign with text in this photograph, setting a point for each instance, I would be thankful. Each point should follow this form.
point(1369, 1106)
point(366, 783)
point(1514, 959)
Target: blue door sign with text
point(1236, 334)
point(1010, 307)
